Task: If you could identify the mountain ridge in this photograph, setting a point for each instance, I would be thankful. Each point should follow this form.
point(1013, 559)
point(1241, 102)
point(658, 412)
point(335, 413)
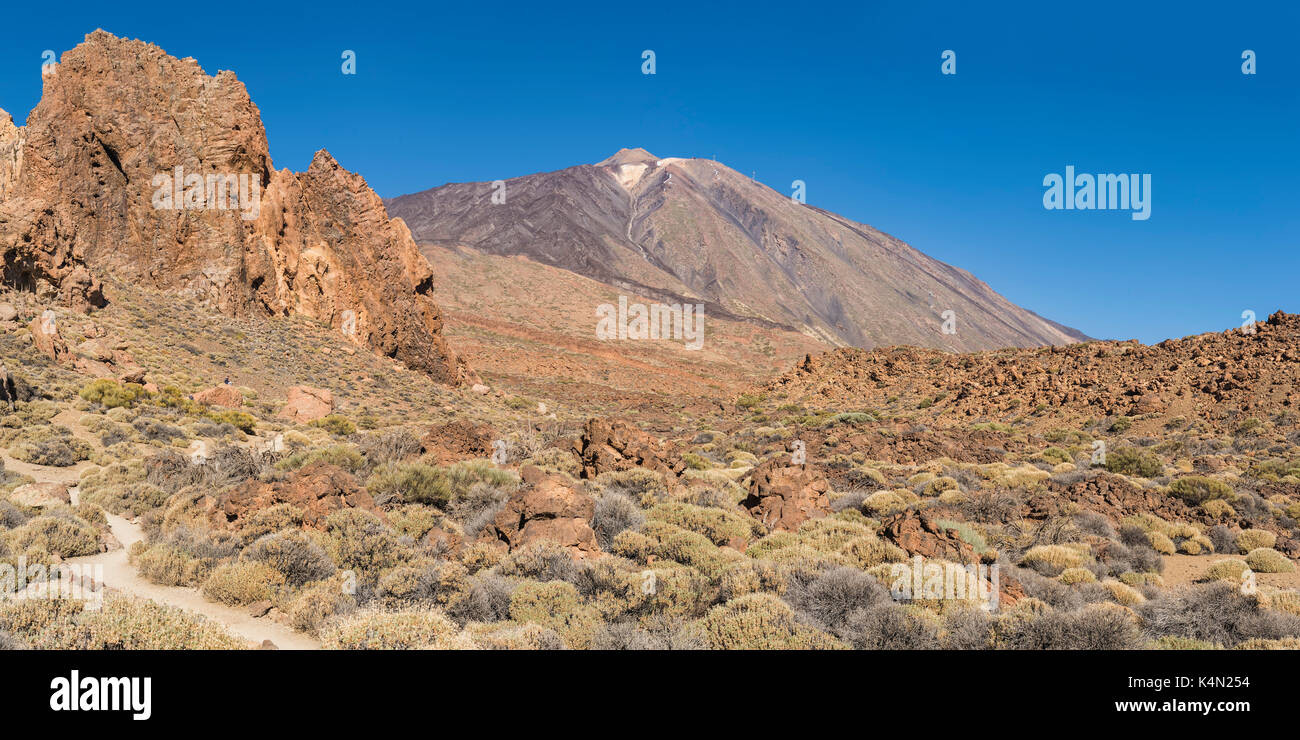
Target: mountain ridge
point(696, 229)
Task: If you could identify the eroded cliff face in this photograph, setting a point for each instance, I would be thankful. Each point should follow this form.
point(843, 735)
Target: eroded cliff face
point(139, 165)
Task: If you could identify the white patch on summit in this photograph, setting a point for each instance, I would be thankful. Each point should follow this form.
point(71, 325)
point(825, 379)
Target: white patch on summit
point(630, 174)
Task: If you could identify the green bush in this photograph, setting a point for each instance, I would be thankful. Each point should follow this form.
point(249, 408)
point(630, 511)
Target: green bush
point(378, 630)
point(760, 622)
point(339, 426)
point(237, 584)
point(1195, 489)
point(1268, 560)
point(111, 394)
point(414, 483)
point(1254, 539)
point(241, 420)
point(1132, 461)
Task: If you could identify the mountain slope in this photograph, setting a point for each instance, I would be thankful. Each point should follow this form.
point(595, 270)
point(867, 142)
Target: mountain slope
point(696, 229)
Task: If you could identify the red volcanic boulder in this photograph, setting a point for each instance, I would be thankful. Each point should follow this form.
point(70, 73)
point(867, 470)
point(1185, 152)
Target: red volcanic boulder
point(458, 440)
point(545, 508)
point(41, 495)
point(48, 340)
point(318, 489)
point(917, 534)
point(223, 395)
point(617, 445)
point(307, 404)
point(783, 495)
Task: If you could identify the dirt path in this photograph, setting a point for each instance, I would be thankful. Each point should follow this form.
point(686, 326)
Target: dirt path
point(1180, 569)
point(119, 574)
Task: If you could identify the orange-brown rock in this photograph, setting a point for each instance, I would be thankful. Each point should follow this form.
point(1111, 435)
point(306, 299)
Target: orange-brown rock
point(318, 489)
point(783, 495)
point(458, 440)
point(225, 396)
point(86, 191)
point(615, 445)
point(41, 495)
point(917, 534)
point(546, 507)
point(49, 341)
point(307, 404)
point(1210, 376)
point(98, 357)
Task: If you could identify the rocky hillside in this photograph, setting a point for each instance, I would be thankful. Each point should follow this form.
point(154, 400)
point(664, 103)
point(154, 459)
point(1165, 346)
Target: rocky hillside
point(114, 173)
point(1211, 376)
point(696, 229)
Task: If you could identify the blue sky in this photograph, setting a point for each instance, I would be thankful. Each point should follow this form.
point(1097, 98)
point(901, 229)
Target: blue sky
point(847, 97)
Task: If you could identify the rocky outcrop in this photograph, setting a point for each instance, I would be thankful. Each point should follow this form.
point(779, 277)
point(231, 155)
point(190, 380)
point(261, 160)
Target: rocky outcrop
point(49, 341)
point(917, 534)
point(307, 404)
point(101, 358)
point(457, 440)
point(783, 495)
point(614, 445)
point(1253, 369)
point(225, 396)
point(545, 508)
point(317, 489)
point(41, 495)
point(121, 171)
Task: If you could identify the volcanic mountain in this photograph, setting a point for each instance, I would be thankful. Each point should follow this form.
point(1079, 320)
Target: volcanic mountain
point(86, 193)
point(695, 230)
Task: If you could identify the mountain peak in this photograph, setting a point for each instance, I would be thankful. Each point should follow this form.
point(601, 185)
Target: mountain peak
point(629, 156)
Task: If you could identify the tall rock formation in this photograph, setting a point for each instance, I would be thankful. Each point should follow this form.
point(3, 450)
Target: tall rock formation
point(139, 165)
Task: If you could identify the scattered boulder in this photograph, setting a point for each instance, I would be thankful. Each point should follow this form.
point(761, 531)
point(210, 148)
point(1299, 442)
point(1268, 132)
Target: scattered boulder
point(615, 445)
point(48, 340)
point(458, 440)
point(317, 489)
point(783, 495)
point(41, 495)
point(226, 396)
point(307, 404)
point(917, 534)
point(8, 312)
point(545, 508)
point(258, 609)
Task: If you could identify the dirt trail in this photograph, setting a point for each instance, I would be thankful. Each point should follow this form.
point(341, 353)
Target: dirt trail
point(120, 575)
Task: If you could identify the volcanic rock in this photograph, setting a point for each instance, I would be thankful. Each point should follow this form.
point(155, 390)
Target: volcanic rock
point(917, 534)
point(458, 440)
point(222, 395)
point(615, 445)
point(317, 489)
point(48, 340)
point(41, 495)
point(307, 404)
point(783, 495)
point(545, 508)
point(86, 189)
